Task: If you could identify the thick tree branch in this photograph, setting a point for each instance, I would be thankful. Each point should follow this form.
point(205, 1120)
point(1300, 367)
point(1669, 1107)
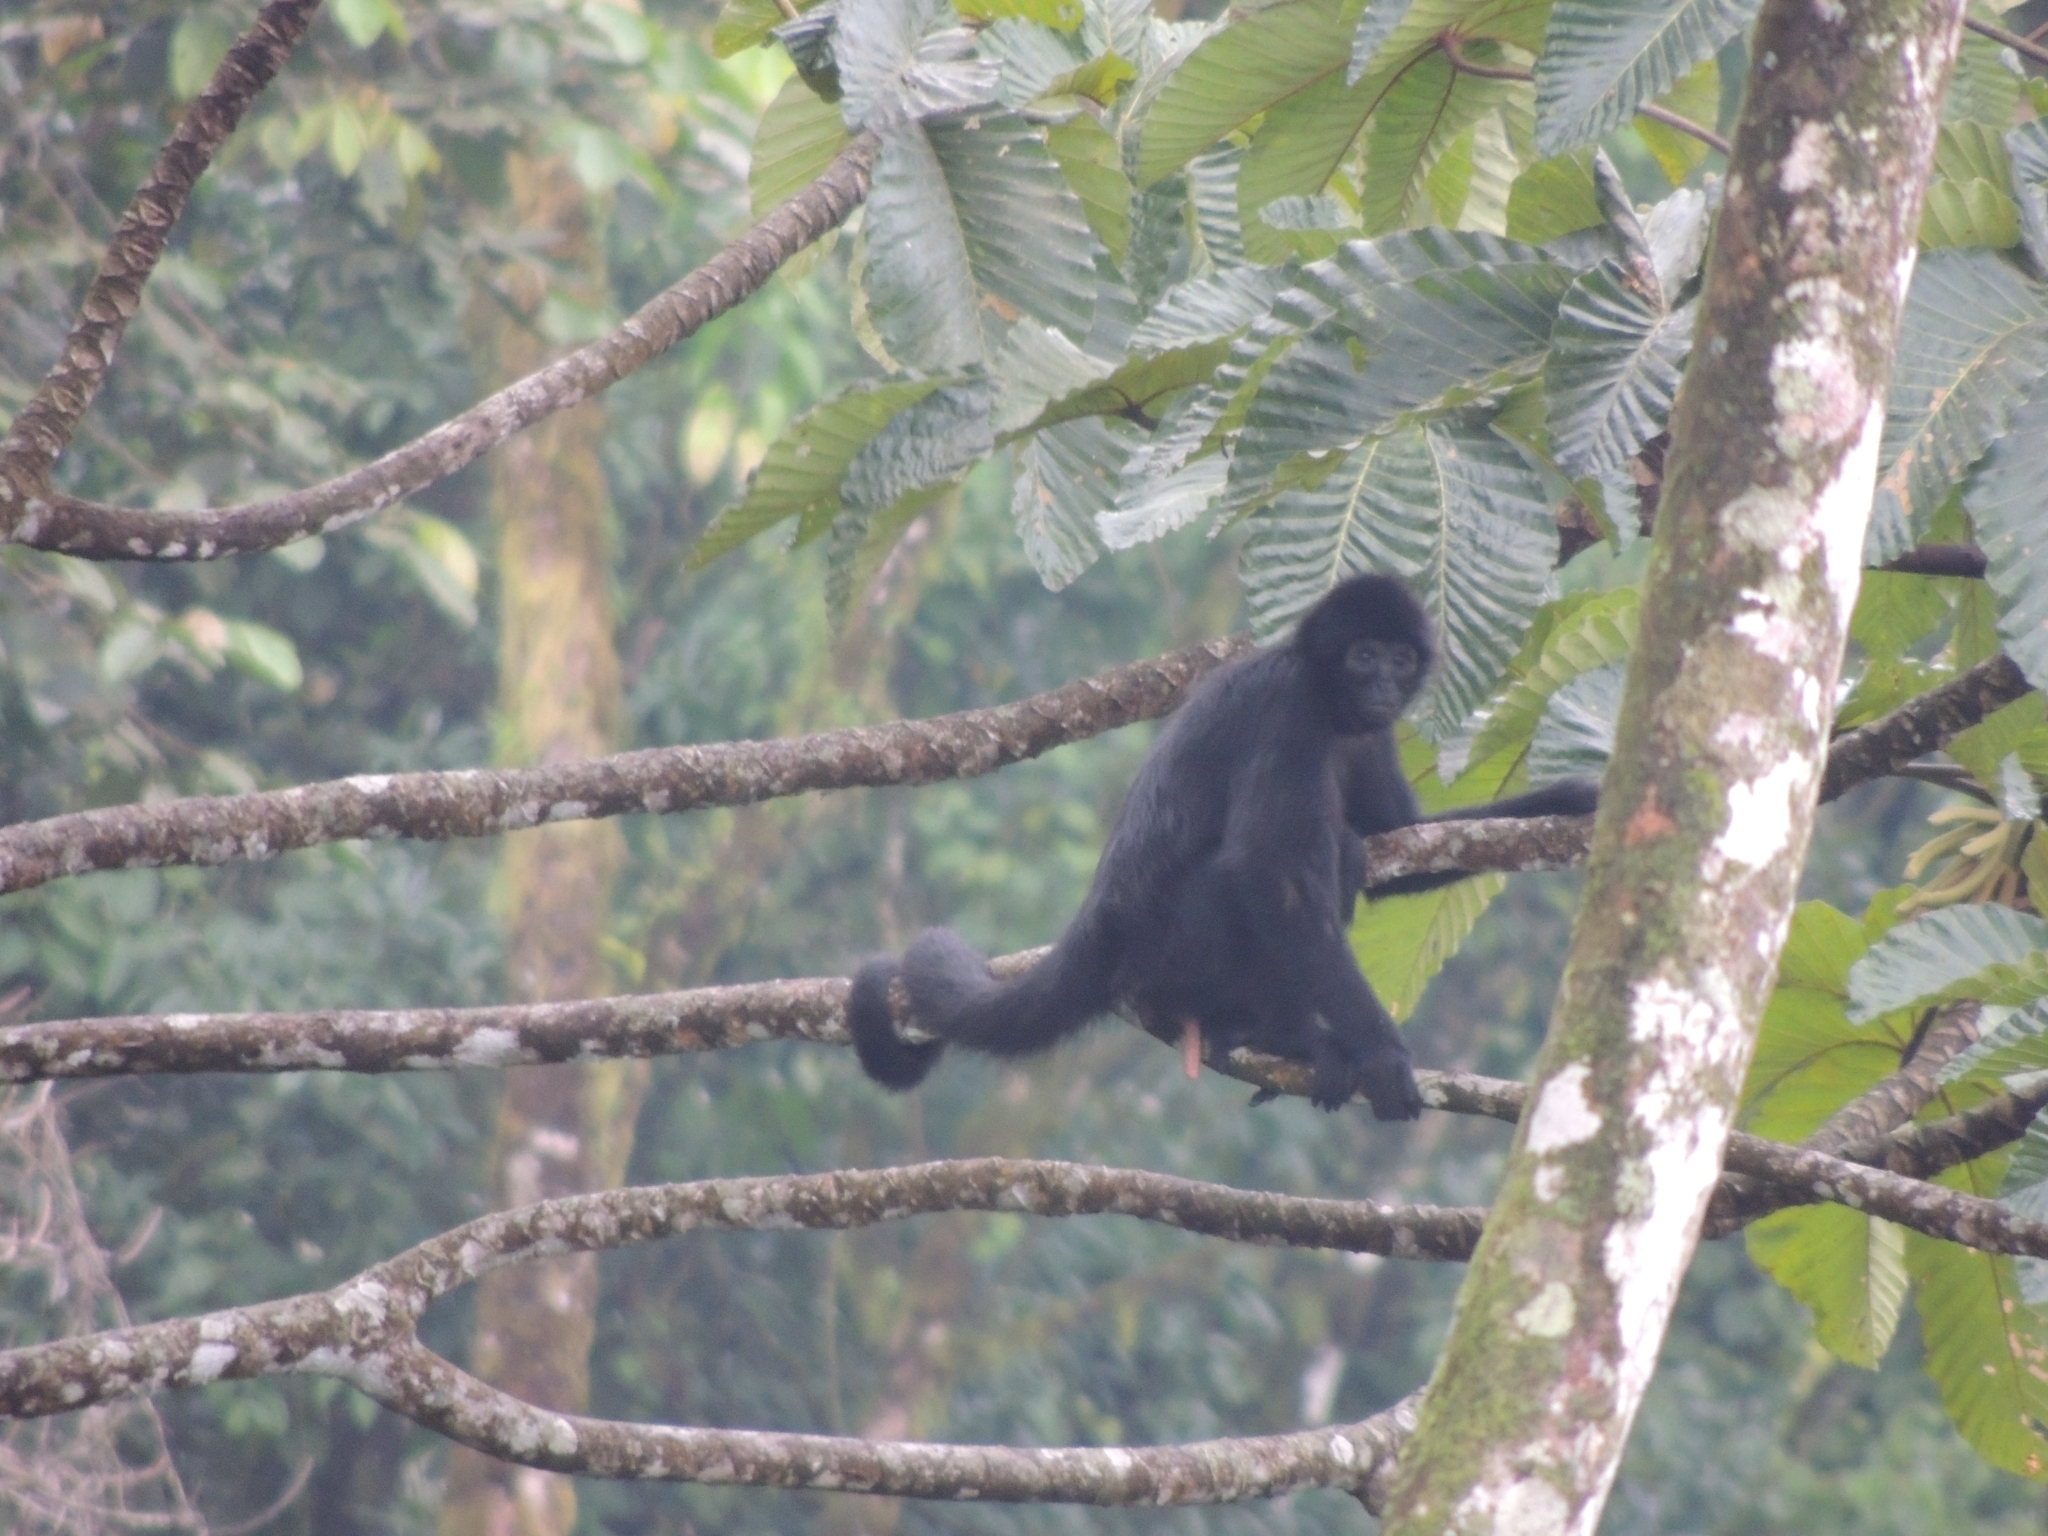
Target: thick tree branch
point(479, 802)
point(1559, 842)
point(47, 519)
point(226, 829)
point(43, 427)
point(362, 1331)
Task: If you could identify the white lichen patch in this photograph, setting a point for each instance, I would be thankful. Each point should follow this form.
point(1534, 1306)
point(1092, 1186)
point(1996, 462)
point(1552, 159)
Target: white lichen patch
point(1548, 1182)
point(1563, 1116)
point(1816, 391)
point(489, 1048)
point(209, 1360)
point(1843, 510)
point(1342, 1451)
point(369, 1300)
point(569, 810)
point(1548, 1314)
point(1760, 814)
point(1768, 631)
point(1809, 163)
point(1525, 1506)
point(368, 783)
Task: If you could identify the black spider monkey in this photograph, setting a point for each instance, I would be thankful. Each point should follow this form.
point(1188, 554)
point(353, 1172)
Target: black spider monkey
point(1224, 893)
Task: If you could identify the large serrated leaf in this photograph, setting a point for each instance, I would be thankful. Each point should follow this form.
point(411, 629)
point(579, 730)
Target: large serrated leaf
point(2026, 149)
point(743, 23)
point(1983, 1349)
point(902, 61)
point(1403, 941)
point(1092, 161)
point(1439, 324)
point(1974, 336)
point(2004, 501)
point(933, 440)
point(1616, 354)
point(921, 296)
point(1212, 198)
point(798, 136)
point(1576, 734)
point(1025, 231)
point(1969, 213)
point(1237, 74)
point(1846, 1268)
point(1209, 308)
point(799, 477)
point(1422, 112)
point(1604, 58)
point(1982, 89)
point(1987, 952)
point(1294, 153)
point(1600, 632)
point(1455, 511)
point(1139, 386)
point(1065, 476)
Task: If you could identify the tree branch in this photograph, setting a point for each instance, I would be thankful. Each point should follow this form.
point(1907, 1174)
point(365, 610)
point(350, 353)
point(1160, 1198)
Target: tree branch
point(362, 1332)
point(43, 428)
point(480, 802)
point(46, 519)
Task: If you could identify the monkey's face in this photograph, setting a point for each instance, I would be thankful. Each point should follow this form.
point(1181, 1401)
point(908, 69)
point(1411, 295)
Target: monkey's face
point(1376, 680)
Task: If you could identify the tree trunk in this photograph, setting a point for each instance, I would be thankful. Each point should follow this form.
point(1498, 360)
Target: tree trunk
point(560, 1129)
point(1709, 797)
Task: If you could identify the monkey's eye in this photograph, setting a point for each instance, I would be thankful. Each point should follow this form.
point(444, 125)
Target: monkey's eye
point(1382, 658)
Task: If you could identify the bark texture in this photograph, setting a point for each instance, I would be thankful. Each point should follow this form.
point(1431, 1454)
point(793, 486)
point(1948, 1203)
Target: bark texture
point(1709, 799)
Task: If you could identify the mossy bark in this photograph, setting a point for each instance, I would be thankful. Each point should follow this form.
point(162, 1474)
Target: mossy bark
point(561, 1129)
point(1708, 804)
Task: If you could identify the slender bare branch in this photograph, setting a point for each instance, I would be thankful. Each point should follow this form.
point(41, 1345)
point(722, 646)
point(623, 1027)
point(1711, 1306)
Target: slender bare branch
point(1965, 560)
point(47, 519)
point(2026, 47)
point(43, 427)
point(479, 802)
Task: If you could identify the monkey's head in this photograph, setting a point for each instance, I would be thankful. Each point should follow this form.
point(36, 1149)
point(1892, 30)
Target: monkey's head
point(1368, 646)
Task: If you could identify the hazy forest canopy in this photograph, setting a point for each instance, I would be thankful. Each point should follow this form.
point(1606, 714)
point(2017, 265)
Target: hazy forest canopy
point(1068, 334)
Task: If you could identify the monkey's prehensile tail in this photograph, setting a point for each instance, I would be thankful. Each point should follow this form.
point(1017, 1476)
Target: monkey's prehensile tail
point(953, 995)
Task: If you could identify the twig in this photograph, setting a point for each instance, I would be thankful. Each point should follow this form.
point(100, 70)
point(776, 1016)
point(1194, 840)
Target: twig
point(1452, 46)
point(2025, 46)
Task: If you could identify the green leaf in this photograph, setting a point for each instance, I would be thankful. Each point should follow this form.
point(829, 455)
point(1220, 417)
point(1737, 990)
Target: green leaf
point(1984, 1349)
point(1576, 734)
point(1442, 316)
point(1209, 308)
point(1613, 369)
point(1065, 476)
point(1139, 385)
point(1060, 15)
point(1212, 197)
point(932, 441)
point(1452, 509)
point(2004, 503)
point(1982, 89)
point(799, 477)
point(1894, 611)
point(1422, 113)
point(1599, 632)
point(797, 138)
point(200, 41)
point(1025, 232)
point(2014, 729)
point(860, 544)
point(1604, 58)
point(1972, 213)
point(902, 61)
point(743, 23)
point(264, 654)
point(1697, 99)
point(1239, 73)
point(1402, 941)
point(1092, 161)
point(1988, 952)
point(1973, 338)
point(2026, 147)
point(1846, 1268)
point(1554, 197)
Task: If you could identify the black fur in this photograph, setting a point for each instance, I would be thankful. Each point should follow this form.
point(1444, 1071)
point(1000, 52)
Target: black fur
point(1229, 877)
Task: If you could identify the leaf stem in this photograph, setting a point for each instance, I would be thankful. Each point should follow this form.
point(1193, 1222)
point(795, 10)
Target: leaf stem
point(1449, 42)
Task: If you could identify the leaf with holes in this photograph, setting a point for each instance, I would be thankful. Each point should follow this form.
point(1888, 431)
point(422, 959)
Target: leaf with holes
point(1983, 1348)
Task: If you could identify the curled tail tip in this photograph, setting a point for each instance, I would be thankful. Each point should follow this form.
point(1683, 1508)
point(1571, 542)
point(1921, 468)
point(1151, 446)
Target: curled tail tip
point(885, 1055)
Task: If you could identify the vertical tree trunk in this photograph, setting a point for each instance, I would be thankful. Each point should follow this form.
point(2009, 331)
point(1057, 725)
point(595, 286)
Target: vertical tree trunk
point(560, 1129)
point(1709, 798)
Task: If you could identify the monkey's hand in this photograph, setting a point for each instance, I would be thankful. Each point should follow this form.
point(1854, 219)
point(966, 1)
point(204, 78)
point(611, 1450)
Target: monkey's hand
point(1384, 1077)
